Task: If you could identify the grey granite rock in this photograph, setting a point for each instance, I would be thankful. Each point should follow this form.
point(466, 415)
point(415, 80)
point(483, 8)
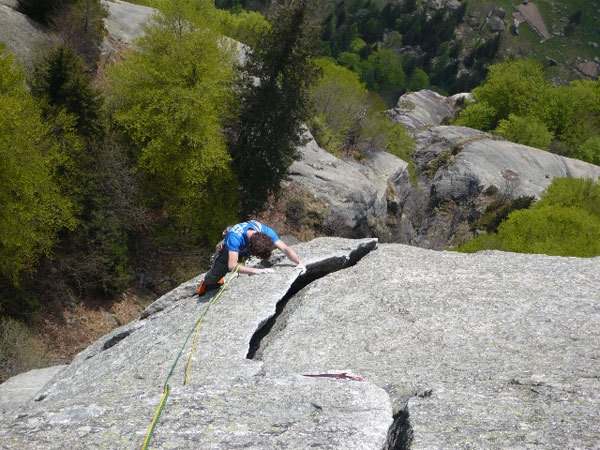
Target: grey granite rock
point(21, 388)
point(376, 347)
point(355, 192)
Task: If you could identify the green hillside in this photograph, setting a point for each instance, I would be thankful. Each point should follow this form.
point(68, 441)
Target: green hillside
point(566, 44)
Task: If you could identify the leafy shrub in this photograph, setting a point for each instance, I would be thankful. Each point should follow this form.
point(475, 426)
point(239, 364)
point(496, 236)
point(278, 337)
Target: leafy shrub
point(497, 211)
point(480, 116)
point(553, 230)
point(566, 222)
point(589, 151)
point(581, 193)
point(20, 349)
point(525, 130)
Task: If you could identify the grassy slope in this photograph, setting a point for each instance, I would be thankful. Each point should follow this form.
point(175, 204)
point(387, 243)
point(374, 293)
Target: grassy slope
point(564, 50)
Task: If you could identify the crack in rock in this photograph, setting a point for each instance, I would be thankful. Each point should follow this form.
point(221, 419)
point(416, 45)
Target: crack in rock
point(265, 333)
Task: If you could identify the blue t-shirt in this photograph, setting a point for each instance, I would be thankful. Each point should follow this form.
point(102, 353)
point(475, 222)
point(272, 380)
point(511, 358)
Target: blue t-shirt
point(237, 239)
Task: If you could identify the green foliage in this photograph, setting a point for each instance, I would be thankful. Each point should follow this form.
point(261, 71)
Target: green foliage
point(61, 81)
point(518, 103)
point(513, 87)
point(565, 222)
point(33, 209)
point(497, 212)
point(272, 110)
point(572, 112)
point(381, 29)
point(347, 118)
point(479, 115)
point(419, 80)
point(339, 100)
point(525, 130)
point(589, 151)
point(583, 193)
point(380, 133)
point(169, 97)
point(243, 26)
point(553, 230)
point(383, 72)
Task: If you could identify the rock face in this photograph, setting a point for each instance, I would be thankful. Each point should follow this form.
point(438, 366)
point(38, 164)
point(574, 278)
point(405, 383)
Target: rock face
point(355, 192)
point(20, 34)
point(459, 171)
point(458, 168)
point(377, 346)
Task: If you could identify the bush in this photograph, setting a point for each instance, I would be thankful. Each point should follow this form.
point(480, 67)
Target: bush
point(525, 130)
point(589, 151)
point(498, 211)
point(20, 349)
point(581, 193)
point(480, 116)
point(566, 222)
point(553, 230)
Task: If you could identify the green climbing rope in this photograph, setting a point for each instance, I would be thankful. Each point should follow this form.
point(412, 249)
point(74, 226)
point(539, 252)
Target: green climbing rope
point(195, 328)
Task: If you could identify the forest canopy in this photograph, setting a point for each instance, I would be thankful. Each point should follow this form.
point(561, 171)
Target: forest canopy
point(109, 172)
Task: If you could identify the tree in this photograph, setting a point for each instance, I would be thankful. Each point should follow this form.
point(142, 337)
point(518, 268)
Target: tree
point(273, 93)
point(589, 151)
point(80, 25)
point(572, 112)
point(513, 87)
point(525, 130)
point(479, 115)
point(565, 222)
point(339, 100)
point(169, 97)
point(33, 209)
point(61, 81)
point(419, 80)
point(388, 75)
point(583, 193)
point(552, 230)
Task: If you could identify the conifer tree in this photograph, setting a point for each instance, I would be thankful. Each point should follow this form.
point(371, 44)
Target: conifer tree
point(274, 102)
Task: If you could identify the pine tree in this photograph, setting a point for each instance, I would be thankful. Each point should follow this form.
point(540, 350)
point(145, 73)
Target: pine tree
point(274, 102)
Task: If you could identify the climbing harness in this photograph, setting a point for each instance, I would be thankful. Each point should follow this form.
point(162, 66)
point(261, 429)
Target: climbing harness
point(195, 329)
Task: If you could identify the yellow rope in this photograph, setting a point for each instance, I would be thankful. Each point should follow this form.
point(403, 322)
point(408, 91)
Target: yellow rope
point(163, 401)
point(215, 298)
point(161, 405)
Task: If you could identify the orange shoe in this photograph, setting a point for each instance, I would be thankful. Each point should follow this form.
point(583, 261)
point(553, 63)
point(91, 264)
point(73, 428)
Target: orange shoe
point(221, 281)
point(202, 288)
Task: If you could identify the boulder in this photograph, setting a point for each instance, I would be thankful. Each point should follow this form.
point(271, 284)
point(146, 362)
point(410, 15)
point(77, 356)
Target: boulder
point(20, 35)
point(354, 191)
point(377, 346)
point(458, 168)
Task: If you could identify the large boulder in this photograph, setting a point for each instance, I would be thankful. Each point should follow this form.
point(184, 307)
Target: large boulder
point(460, 171)
point(356, 192)
point(20, 35)
point(377, 346)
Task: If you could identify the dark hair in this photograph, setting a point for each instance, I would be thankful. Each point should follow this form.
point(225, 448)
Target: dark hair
point(260, 245)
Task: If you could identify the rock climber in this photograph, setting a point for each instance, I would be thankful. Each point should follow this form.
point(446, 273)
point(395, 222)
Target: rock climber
point(245, 239)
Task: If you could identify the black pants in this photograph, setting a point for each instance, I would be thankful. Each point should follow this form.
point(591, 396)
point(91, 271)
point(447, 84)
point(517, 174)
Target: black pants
point(218, 270)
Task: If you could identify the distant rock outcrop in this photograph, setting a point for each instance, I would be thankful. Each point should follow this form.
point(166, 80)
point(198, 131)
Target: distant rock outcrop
point(461, 170)
point(377, 346)
point(20, 35)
